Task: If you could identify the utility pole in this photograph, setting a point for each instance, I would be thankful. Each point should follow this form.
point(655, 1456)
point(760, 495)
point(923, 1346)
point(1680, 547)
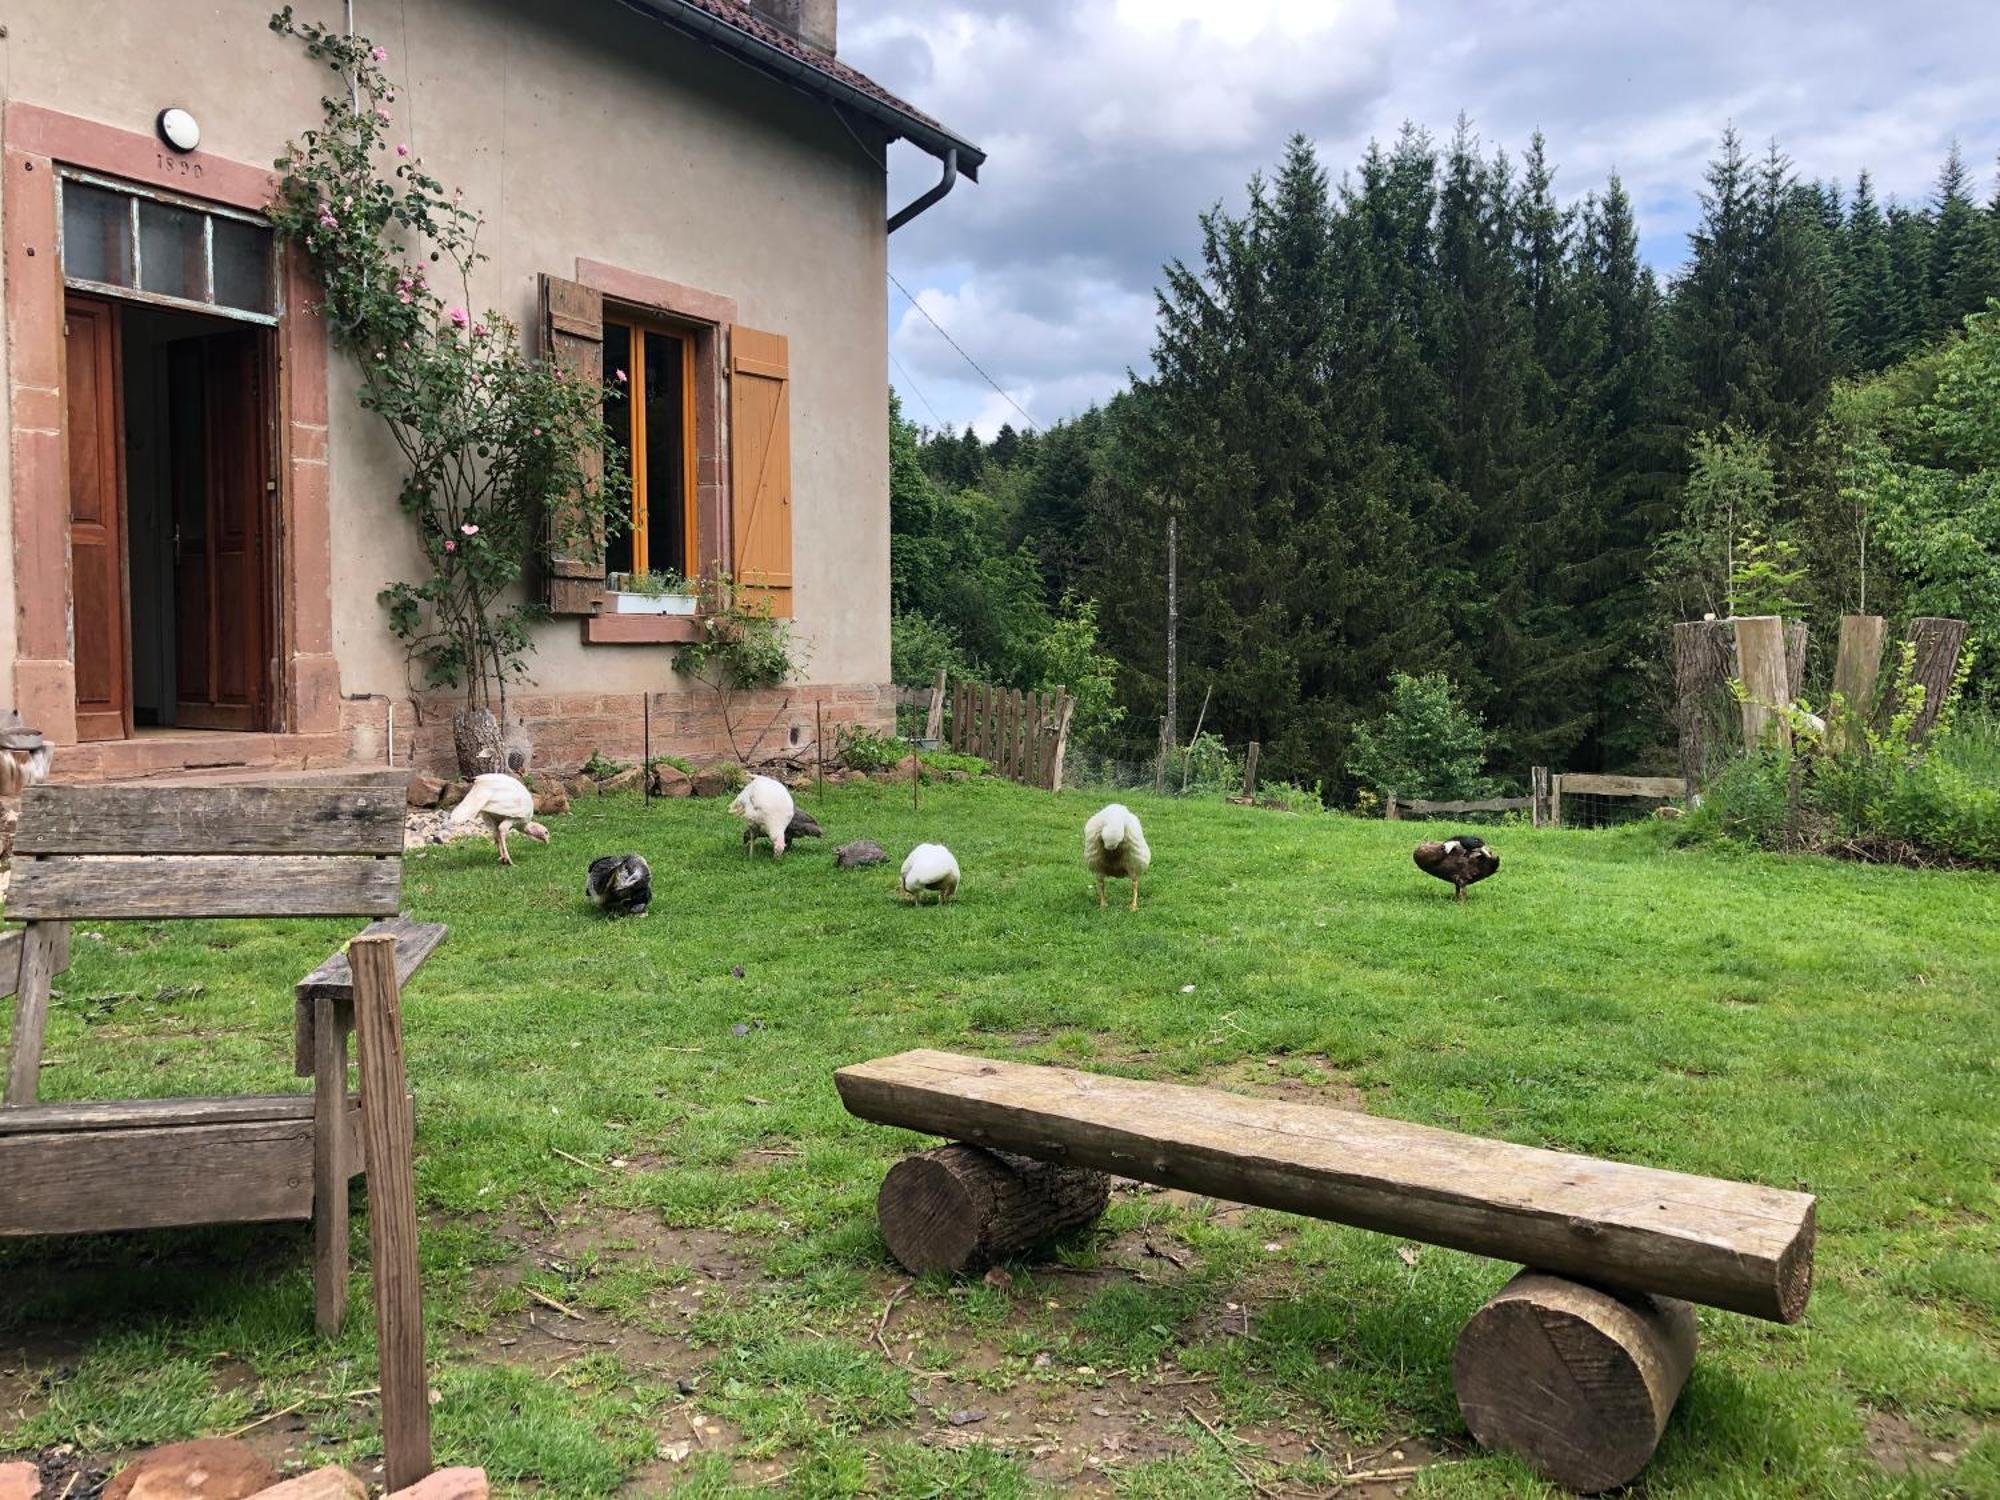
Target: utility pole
point(1173, 623)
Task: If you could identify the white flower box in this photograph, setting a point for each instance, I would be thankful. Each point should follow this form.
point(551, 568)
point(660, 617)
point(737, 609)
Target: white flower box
point(653, 604)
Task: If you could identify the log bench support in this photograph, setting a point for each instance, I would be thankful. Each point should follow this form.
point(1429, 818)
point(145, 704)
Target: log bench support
point(1574, 1381)
point(1574, 1366)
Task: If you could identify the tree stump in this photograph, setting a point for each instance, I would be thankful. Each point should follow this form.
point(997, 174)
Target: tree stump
point(963, 1208)
point(475, 735)
point(1576, 1382)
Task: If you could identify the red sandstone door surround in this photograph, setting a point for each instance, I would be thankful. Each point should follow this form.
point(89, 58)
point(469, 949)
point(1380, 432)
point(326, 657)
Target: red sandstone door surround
point(66, 536)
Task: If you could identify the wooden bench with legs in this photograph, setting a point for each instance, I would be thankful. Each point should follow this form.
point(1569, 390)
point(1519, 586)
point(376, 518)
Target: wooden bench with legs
point(111, 853)
point(1574, 1365)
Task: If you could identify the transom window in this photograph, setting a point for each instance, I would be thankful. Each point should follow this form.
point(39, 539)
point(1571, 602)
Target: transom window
point(133, 242)
point(649, 407)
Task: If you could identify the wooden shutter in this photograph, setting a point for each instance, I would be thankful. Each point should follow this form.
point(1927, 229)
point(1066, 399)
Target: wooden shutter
point(573, 339)
point(94, 417)
point(760, 443)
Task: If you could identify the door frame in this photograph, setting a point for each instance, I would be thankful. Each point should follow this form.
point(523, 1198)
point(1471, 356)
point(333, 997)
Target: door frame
point(306, 695)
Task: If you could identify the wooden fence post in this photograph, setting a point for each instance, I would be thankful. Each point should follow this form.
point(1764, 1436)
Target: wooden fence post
point(1538, 793)
point(1065, 706)
point(387, 1131)
point(1389, 814)
point(934, 720)
point(1160, 765)
point(1938, 641)
point(1761, 665)
point(1856, 669)
point(1556, 801)
point(1250, 772)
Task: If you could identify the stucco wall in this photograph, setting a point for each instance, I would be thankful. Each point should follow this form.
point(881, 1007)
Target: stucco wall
point(581, 131)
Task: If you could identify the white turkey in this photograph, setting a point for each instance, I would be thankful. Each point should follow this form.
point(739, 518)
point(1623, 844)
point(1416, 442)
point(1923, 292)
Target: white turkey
point(766, 808)
point(1114, 847)
point(929, 867)
point(504, 803)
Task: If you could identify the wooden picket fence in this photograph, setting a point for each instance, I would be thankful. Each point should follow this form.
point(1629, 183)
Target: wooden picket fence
point(1021, 735)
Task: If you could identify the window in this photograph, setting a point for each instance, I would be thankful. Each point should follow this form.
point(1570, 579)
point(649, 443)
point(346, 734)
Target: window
point(159, 248)
point(649, 407)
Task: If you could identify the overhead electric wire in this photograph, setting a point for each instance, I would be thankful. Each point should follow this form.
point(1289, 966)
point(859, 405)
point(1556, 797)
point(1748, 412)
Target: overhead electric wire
point(917, 391)
point(1032, 426)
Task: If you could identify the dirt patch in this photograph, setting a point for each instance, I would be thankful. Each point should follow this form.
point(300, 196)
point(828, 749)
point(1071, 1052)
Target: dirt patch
point(1297, 1079)
point(1899, 1446)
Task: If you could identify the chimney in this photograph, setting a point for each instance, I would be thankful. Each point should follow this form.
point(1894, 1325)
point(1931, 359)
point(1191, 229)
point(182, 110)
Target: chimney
point(813, 22)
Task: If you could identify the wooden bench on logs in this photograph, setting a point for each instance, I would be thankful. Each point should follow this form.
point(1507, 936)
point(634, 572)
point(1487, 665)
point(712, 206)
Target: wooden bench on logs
point(106, 853)
point(1574, 1365)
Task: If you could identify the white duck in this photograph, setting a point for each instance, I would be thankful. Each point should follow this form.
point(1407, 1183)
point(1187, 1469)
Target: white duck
point(1114, 847)
point(767, 807)
point(929, 867)
point(503, 802)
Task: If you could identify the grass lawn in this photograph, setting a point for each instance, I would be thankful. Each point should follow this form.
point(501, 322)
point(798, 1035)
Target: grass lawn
point(637, 1120)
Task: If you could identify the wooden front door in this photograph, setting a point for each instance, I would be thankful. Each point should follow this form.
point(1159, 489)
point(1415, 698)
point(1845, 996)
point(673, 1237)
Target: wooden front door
point(220, 484)
point(95, 428)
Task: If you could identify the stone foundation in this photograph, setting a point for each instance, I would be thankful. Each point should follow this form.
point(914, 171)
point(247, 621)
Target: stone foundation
point(567, 729)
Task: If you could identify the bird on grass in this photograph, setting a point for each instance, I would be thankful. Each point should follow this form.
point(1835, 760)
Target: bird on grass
point(1463, 860)
point(767, 810)
point(1114, 847)
point(503, 802)
point(929, 867)
point(620, 885)
point(803, 826)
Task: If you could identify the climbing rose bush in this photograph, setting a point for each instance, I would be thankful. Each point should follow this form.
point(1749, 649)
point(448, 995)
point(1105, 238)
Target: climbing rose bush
point(493, 443)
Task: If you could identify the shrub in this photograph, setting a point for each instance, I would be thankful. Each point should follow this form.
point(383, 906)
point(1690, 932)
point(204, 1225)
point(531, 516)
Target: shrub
point(1203, 765)
point(950, 760)
point(1426, 744)
point(863, 751)
point(1881, 801)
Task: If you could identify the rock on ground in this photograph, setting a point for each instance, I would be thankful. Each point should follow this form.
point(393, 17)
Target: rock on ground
point(205, 1469)
point(20, 1482)
point(446, 1484)
point(671, 781)
point(331, 1483)
point(711, 784)
point(425, 790)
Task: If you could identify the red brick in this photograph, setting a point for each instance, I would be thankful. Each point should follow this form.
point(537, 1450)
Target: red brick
point(446, 1484)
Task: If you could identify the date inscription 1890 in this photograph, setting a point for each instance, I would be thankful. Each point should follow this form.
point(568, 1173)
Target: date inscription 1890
point(177, 166)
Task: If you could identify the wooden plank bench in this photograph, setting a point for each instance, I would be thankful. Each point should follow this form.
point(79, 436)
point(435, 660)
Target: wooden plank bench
point(281, 850)
point(1575, 1365)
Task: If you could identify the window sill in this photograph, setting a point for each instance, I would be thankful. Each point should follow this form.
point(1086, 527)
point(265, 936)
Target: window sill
point(642, 630)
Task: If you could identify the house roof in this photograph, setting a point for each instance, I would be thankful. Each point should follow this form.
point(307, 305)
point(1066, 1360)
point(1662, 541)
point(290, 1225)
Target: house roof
point(730, 26)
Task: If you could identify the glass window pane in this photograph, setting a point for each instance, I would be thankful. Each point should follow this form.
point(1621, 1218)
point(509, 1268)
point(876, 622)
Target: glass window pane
point(97, 235)
point(171, 257)
point(618, 417)
point(242, 266)
point(666, 453)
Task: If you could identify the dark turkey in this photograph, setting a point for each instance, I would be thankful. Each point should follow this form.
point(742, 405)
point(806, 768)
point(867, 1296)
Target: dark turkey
point(859, 854)
point(1463, 860)
point(620, 885)
point(803, 826)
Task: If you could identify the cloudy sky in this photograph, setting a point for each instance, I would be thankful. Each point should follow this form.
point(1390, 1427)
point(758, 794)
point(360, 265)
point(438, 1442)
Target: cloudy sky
point(1110, 124)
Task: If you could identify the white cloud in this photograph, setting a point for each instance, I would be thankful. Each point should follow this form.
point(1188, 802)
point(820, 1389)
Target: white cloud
point(1111, 124)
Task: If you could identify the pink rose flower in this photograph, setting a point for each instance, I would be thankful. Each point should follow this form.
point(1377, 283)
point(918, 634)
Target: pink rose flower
point(382, 115)
point(619, 376)
point(480, 330)
point(402, 150)
point(380, 54)
point(450, 546)
point(459, 317)
point(536, 432)
point(469, 529)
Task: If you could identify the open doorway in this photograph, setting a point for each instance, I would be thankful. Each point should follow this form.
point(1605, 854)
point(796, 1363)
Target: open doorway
point(171, 494)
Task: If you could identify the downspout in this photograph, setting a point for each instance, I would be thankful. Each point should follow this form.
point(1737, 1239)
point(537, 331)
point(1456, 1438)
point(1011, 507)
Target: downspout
point(945, 184)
